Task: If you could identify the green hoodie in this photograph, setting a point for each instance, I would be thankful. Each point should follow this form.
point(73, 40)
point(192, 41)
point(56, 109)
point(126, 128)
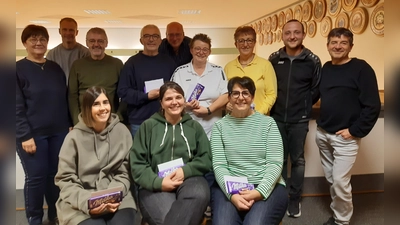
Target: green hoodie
point(88, 162)
point(158, 141)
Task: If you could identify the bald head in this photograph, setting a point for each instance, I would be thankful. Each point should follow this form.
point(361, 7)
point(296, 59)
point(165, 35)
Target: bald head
point(175, 34)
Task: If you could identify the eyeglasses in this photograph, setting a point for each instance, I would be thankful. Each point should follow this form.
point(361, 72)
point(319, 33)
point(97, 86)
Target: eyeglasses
point(148, 36)
point(236, 94)
point(36, 40)
point(99, 41)
point(174, 35)
point(198, 49)
point(243, 41)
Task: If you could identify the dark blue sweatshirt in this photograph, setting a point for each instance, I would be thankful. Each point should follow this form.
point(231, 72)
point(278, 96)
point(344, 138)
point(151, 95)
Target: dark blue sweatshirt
point(138, 69)
point(41, 100)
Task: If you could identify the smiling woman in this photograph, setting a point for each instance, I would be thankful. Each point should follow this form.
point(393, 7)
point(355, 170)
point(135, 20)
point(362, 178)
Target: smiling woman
point(95, 157)
point(40, 92)
point(171, 141)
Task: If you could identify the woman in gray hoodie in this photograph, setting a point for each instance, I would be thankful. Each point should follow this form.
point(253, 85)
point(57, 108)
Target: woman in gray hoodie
point(94, 157)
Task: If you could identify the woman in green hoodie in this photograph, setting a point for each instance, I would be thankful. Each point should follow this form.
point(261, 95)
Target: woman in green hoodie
point(94, 157)
point(181, 196)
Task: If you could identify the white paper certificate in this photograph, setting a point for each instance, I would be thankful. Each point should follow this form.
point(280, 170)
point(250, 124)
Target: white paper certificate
point(153, 84)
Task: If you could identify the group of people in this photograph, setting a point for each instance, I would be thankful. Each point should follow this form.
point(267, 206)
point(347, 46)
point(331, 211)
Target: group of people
point(86, 122)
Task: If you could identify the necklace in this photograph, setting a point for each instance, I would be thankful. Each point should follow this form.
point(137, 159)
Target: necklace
point(247, 61)
point(39, 65)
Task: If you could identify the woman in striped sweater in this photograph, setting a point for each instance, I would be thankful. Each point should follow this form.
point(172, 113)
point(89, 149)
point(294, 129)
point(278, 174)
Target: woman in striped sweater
point(247, 144)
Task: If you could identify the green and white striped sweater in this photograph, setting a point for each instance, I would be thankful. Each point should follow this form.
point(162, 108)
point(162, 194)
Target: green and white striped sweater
point(250, 147)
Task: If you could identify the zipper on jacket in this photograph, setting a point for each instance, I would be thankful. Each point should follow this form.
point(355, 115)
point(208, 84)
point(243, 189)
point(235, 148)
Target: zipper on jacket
point(287, 90)
point(173, 141)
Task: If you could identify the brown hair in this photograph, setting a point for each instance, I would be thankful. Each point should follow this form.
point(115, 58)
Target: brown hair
point(170, 85)
point(200, 37)
point(244, 30)
point(33, 31)
point(69, 19)
point(89, 97)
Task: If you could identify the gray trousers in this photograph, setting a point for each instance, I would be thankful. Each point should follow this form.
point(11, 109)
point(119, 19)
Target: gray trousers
point(337, 157)
point(185, 206)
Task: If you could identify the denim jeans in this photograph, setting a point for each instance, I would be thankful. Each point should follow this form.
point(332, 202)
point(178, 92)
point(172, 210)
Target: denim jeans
point(293, 138)
point(185, 206)
point(120, 217)
point(134, 129)
point(40, 169)
point(265, 212)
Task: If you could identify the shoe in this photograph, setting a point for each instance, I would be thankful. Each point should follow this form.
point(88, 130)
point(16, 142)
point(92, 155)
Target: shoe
point(53, 222)
point(294, 209)
point(207, 213)
point(331, 221)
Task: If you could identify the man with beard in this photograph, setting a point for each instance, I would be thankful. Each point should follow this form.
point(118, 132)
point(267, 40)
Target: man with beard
point(176, 44)
point(98, 69)
point(69, 50)
point(298, 73)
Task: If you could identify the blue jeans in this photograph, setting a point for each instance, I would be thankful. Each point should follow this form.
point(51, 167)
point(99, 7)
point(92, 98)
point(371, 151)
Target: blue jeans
point(293, 138)
point(40, 169)
point(268, 212)
point(134, 129)
point(185, 206)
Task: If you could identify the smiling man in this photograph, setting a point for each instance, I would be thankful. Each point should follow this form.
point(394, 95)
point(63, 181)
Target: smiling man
point(69, 50)
point(176, 44)
point(350, 107)
point(145, 66)
point(298, 73)
point(98, 69)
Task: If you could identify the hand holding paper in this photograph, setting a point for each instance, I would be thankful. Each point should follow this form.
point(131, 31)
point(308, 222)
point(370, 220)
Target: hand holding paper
point(236, 184)
point(164, 169)
point(153, 85)
point(178, 175)
point(169, 185)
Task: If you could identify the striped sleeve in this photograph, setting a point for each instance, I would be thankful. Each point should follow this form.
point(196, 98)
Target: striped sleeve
point(219, 161)
point(273, 159)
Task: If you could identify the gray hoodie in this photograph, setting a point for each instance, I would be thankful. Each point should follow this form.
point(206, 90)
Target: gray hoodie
point(91, 161)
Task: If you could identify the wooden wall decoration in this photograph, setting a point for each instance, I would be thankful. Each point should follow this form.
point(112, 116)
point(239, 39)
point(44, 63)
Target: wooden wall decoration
point(307, 11)
point(319, 10)
point(377, 22)
point(334, 7)
point(342, 20)
point(325, 26)
point(358, 20)
point(349, 5)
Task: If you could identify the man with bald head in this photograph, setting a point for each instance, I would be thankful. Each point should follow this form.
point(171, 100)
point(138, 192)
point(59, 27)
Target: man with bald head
point(147, 65)
point(176, 44)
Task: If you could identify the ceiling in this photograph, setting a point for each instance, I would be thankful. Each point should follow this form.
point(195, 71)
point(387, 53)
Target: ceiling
point(136, 14)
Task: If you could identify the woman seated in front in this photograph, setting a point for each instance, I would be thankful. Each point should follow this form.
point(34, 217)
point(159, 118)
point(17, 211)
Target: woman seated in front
point(247, 144)
point(168, 196)
point(94, 157)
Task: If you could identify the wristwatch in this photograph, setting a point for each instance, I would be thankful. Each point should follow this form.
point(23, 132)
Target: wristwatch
point(209, 111)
